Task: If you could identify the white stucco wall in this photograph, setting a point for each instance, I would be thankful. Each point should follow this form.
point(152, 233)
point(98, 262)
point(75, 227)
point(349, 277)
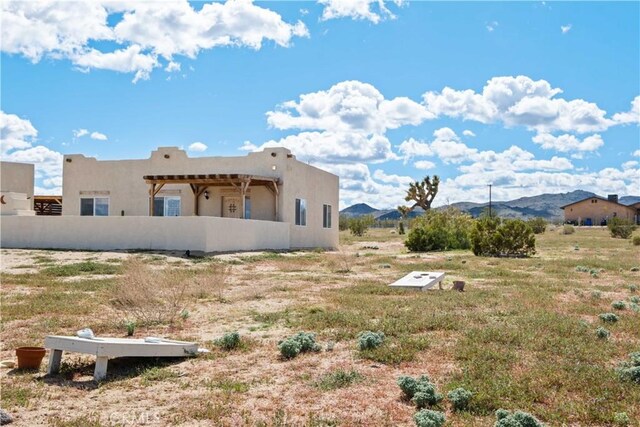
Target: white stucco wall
point(208, 234)
point(17, 178)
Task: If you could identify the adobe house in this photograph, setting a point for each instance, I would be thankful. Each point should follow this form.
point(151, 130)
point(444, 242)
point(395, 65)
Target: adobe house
point(597, 210)
point(264, 200)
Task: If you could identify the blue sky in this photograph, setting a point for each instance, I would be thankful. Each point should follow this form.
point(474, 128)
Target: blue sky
point(531, 96)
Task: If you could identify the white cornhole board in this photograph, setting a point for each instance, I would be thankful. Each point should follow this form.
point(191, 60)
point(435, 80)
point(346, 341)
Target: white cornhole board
point(421, 280)
point(104, 348)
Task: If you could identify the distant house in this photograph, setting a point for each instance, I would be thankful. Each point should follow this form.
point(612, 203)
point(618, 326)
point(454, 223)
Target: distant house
point(597, 210)
point(264, 200)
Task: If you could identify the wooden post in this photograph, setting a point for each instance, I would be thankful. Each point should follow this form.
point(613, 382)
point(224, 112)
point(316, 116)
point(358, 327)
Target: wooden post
point(152, 193)
point(275, 195)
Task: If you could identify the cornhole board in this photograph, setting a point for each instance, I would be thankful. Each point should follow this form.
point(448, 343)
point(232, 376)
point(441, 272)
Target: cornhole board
point(105, 348)
point(420, 280)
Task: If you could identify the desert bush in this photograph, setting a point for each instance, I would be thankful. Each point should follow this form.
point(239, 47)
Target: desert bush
point(582, 269)
point(302, 342)
point(158, 296)
point(630, 370)
point(338, 379)
point(609, 317)
point(439, 231)
point(516, 419)
point(368, 340)
point(621, 228)
point(636, 241)
point(358, 226)
point(429, 418)
point(633, 288)
point(621, 419)
point(602, 333)
point(496, 237)
point(538, 225)
point(229, 341)
point(343, 222)
point(567, 229)
point(635, 299)
point(420, 391)
point(131, 327)
point(459, 398)
point(401, 228)
point(619, 305)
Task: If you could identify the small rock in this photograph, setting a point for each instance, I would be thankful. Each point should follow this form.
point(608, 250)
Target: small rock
point(5, 418)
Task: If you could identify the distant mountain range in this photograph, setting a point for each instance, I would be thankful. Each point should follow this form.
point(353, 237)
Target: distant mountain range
point(544, 205)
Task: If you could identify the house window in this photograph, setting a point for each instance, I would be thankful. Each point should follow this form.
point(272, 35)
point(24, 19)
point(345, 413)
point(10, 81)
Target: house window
point(94, 206)
point(326, 216)
point(301, 212)
point(166, 206)
point(247, 207)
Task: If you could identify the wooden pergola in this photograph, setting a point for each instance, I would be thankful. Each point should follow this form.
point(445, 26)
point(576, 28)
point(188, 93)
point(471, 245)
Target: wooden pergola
point(47, 205)
point(200, 183)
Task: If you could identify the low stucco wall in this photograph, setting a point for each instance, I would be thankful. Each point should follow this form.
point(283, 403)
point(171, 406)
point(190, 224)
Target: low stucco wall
point(207, 234)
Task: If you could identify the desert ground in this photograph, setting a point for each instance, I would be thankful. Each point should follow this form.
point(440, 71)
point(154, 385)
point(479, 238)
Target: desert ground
point(521, 336)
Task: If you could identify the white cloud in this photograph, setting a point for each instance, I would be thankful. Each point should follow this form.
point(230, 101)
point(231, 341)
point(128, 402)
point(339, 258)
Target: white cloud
point(491, 26)
point(566, 143)
point(448, 148)
point(198, 147)
point(15, 133)
point(17, 136)
point(145, 33)
point(381, 175)
point(349, 106)
point(630, 164)
point(248, 146)
point(79, 133)
point(468, 133)
point(357, 9)
point(519, 101)
point(99, 136)
point(565, 28)
point(632, 116)
point(424, 164)
point(336, 147)
point(636, 153)
point(173, 67)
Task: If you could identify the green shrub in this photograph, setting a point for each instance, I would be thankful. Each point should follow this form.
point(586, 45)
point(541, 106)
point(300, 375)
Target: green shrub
point(440, 231)
point(338, 379)
point(368, 340)
point(301, 342)
point(621, 228)
point(633, 288)
point(516, 419)
point(131, 327)
point(229, 341)
point(420, 391)
point(538, 225)
point(636, 241)
point(459, 398)
point(634, 299)
point(358, 226)
point(609, 317)
point(496, 237)
point(619, 305)
point(621, 419)
point(582, 269)
point(568, 229)
point(602, 333)
point(401, 228)
point(630, 370)
point(428, 418)
point(289, 348)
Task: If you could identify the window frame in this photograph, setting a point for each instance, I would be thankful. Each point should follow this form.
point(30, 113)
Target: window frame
point(326, 215)
point(164, 205)
point(93, 204)
point(301, 212)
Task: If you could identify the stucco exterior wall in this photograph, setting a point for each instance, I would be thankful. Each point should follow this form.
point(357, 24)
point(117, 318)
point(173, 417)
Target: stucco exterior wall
point(597, 210)
point(208, 234)
point(17, 178)
point(122, 182)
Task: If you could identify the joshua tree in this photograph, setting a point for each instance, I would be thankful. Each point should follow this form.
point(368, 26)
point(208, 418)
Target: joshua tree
point(421, 193)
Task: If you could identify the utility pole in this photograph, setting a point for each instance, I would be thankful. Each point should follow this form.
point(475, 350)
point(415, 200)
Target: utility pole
point(490, 201)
